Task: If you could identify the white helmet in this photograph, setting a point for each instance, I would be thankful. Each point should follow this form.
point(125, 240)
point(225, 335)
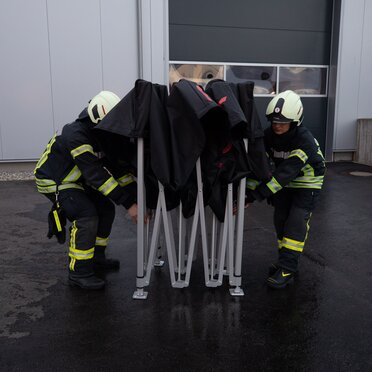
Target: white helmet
point(101, 104)
point(285, 107)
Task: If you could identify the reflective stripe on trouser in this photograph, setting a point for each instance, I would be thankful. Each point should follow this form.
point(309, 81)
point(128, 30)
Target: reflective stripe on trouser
point(93, 214)
point(82, 240)
point(291, 219)
point(101, 244)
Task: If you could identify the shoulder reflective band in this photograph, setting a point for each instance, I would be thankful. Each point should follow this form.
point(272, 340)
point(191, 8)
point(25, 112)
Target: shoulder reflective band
point(301, 154)
point(125, 180)
point(108, 186)
point(81, 149)
point(293, 245)
point(274, 185)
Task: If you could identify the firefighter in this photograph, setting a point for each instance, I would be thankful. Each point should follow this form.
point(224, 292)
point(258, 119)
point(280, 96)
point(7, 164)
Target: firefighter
point(73, 175)
point(295, 184)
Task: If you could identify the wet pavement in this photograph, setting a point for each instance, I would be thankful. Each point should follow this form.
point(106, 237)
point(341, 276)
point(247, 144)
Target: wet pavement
point(323, 322)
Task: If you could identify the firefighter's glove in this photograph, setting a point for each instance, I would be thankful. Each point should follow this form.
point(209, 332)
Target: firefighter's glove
point(57, 223)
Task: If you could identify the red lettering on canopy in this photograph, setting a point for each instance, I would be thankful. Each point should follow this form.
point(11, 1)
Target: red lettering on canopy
point(203, 93)
point(227, 148)
point(222, 100)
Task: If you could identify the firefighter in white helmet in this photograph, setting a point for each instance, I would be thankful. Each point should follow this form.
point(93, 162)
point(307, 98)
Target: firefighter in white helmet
point(72, 174)
point(297, 178)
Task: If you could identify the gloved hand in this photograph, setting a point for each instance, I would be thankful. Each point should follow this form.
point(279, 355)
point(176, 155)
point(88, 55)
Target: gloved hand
point(57, 223)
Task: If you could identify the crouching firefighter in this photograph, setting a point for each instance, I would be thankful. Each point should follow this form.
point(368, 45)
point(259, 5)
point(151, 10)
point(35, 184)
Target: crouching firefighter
point(297, 178)
point(72, 174)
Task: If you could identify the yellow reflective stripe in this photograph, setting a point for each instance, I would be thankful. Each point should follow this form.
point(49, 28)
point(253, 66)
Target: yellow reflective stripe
point(73, 176)
point(280, 244)
point(252, 184)
point(307, 182)
point(293, 245)
point(102, 241)
point(108, 186)
point(301, 154)
point(73, 235)
point(53, 188)
point(72, 264)
point(306, 179)
point(308, 170)
point(308, 226)
point(319, 152)
point(58, 223)
point(125, 180)
point(46, 153)
point(44, 182)
point(274, 185)
point(80, 254)
point(81, 149)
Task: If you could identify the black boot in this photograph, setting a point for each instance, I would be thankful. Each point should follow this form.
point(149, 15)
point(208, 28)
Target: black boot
point(101, 263)
point(85, 282)
point(280, 279)
point(272, 268)
point(81, 274)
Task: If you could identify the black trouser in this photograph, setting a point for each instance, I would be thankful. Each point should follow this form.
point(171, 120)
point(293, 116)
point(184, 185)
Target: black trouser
point(293, 208)
point(92, 216)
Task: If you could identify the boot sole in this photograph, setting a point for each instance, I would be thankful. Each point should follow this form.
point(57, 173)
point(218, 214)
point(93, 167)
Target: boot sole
point(74, 284)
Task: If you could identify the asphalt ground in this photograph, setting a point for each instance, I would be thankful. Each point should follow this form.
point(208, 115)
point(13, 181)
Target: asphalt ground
point(322, 322)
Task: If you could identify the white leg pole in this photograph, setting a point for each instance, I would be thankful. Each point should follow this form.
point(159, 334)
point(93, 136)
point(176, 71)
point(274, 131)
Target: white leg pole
point(140, 281)
point(202, 221)
point(237, 279)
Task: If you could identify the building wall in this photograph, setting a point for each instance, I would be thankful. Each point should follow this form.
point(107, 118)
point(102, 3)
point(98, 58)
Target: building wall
point(354, 75)
point(56, 55)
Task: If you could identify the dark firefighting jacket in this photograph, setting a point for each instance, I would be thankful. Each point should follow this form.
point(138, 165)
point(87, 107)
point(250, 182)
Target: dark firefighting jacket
point(298, 160)
point(72, 161)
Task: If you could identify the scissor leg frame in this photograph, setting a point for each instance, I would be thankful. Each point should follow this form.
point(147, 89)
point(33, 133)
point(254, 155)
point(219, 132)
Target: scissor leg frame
point(222, 256)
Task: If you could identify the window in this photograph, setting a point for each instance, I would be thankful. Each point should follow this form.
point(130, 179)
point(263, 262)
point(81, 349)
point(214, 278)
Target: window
point(269, 79)
point(199, 73)
point(303, 80)
point(264, 77)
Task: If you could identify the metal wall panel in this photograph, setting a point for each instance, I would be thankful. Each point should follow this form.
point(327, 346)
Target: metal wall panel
point(365, 84)
point(25, 86)
point(75, 56)
point(305, 15)
point(348, 77)
point(267, 31)
point(56, 55)
point(210, 43)
point(119, 29)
